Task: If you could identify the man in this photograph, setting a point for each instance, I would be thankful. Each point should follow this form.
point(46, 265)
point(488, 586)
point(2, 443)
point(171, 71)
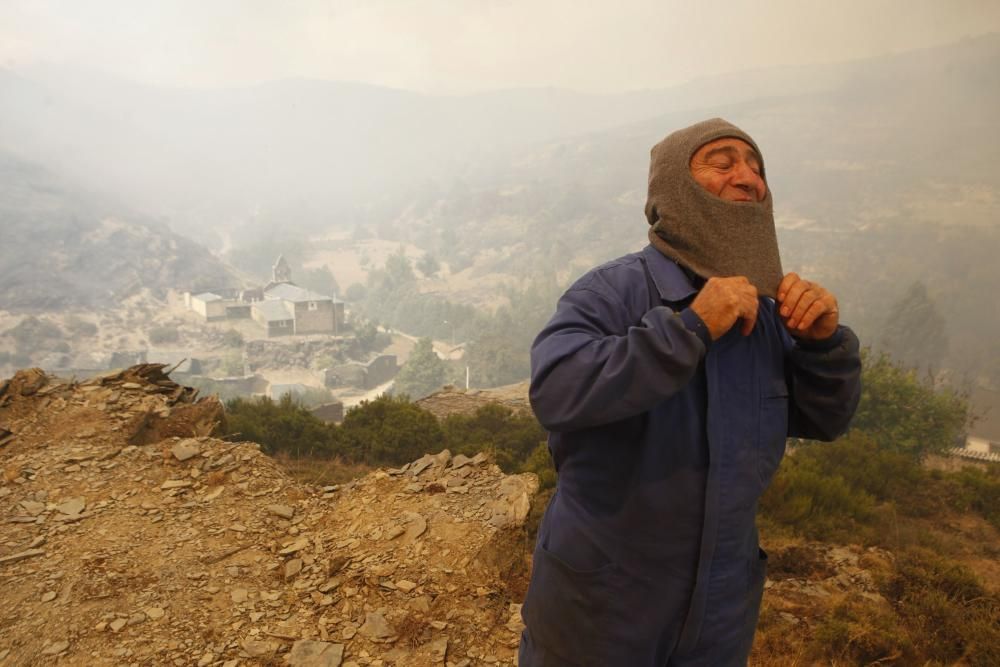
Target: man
point(669, 380)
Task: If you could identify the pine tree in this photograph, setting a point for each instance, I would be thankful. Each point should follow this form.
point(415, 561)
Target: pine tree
point(915, 333)
point(423, 373)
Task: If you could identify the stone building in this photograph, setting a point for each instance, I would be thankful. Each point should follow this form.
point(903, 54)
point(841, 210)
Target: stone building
point(367, 375)
point(281, 307)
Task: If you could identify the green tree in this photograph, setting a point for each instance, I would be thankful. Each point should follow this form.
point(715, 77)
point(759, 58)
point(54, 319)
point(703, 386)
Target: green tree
point(398, 270)
point(423, 373)
point(904, 413)
point(319, 279)
point(366, 333)
point(915, 333)
point(428, 265)
point(356, 292)
point(495, 359)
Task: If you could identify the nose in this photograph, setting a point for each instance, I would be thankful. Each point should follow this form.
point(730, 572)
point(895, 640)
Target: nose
point(746, 179)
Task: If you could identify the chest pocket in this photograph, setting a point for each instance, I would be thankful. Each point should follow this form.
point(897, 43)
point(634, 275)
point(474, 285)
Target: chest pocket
point(773, 427)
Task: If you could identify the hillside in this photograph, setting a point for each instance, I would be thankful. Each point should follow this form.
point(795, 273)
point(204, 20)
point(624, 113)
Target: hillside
point(881, 171)
point(64, 248)
point(131, 537)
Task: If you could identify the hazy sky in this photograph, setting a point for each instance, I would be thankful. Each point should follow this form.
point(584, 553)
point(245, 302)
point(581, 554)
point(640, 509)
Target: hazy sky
point(470, 45)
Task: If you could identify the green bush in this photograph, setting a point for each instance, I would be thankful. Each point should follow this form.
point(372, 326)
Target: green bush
point(975, 490)
point(904, 413)
point(389, 431)
point(494, 428)
point(540, 463)
point(281, 426)
point(816, 502)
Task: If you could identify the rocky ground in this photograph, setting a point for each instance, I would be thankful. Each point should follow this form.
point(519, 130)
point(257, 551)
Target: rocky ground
point(133, 537)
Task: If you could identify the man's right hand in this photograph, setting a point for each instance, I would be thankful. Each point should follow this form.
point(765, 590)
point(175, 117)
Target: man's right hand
point(722, 301)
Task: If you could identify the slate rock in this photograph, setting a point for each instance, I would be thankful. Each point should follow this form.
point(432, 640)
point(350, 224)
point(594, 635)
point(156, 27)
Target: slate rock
point(376, 628)
point(284, 511)
point(185, 449)
point(311, 653)
point(72, 506)
point(293, 567)
point(55, 648)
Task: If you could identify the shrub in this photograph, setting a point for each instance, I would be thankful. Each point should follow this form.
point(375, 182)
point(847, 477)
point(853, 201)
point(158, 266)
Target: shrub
point(860, 633)
point(282, 426)
point(812, 501)
point(540, 463)
point(972, 489)
point(951, 617)
point(389, 430)
point(510, 438)
point(904, 413)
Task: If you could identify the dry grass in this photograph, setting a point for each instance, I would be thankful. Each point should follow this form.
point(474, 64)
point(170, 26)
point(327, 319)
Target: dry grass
point(412, 631)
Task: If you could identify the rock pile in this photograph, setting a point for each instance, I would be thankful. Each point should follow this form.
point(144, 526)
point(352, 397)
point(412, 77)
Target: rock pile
point(132, 537)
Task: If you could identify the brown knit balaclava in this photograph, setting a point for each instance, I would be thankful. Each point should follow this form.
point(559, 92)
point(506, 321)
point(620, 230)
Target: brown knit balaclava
point(707, 234)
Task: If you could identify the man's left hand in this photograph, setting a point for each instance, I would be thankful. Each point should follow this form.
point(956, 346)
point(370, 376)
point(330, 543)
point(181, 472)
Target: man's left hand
point(807, 309)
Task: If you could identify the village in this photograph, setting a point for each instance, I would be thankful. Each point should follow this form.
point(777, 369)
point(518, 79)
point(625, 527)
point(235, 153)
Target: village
point(275, 339)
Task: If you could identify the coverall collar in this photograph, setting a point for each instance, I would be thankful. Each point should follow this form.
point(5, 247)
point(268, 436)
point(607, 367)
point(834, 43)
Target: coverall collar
point(669, 278)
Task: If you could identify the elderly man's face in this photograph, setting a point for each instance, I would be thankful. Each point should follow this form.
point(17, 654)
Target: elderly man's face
point(730, 169)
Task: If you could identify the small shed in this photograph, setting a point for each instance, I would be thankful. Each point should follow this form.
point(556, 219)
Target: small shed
point(331, 413)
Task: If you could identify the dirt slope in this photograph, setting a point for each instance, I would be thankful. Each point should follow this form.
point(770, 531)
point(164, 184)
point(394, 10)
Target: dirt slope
point(130, 536)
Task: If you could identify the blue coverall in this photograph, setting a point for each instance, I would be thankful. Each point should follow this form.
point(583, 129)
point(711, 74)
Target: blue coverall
point(664, 440)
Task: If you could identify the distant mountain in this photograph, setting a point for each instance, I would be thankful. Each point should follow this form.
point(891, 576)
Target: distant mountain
point(315, 153)
point(62, 248)
point(884, 175)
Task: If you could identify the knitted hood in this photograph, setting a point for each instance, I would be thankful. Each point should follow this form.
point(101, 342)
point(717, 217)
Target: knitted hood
point(707, 234)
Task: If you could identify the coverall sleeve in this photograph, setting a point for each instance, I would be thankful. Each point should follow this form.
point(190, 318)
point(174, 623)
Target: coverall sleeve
point(824, 381)
point(590, 366)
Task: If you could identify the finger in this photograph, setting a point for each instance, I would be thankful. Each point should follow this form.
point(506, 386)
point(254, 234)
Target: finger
point(793, 297)
point(819, 308)
point(805, 302)
point(786, 284)
point(749, 315)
